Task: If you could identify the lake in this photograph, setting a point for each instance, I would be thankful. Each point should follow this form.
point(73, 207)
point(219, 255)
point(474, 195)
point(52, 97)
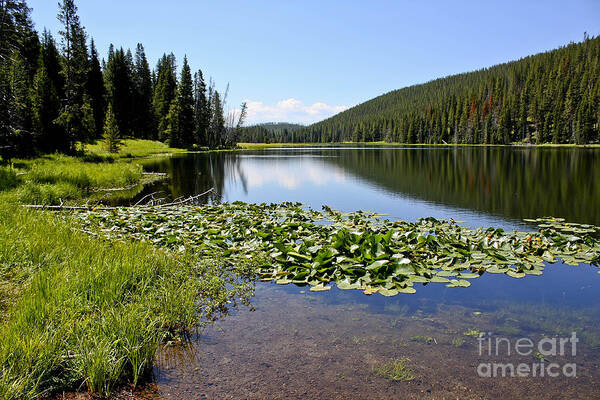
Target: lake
point(457, 342)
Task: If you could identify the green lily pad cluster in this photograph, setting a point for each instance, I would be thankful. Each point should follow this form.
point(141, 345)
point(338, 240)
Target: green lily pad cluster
point(353, 250)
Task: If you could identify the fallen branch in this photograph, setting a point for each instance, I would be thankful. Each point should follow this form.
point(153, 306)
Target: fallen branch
point(145, 197)
point(118, 189)
point(92, 208)
point(188, 200)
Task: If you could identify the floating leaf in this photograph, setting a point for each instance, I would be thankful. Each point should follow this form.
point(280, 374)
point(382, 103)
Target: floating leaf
point(319, 288)
point(459, 283)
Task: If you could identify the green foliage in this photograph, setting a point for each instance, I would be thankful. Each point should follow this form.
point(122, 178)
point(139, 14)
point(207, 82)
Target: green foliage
point(422, 339)
point(118, 80)
point(356, 250)
point(216, 128)
point(111, 135)
point(202, 111)
point(277, 132)
point(143, 115)
point(132, 148)
point(185, 94)
point(52, 101)
point(8, 178)
point(94, 312)
point(394, 370)
point(46, 193)
point(96, 91)
point(164, 93)
point(81, 174)
point(180, 120)
point(74, 117)
point(59, 179)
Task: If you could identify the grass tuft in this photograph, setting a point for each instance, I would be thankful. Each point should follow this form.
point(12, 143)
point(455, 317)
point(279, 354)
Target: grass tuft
point(8, 178)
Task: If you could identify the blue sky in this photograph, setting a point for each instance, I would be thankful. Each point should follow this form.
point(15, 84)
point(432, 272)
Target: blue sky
point(302, 61)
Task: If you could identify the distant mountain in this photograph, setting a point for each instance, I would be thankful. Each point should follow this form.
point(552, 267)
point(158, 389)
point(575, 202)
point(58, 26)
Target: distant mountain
point(551, 97)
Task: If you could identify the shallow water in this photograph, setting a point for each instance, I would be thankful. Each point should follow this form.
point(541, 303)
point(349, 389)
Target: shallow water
point(299, 344)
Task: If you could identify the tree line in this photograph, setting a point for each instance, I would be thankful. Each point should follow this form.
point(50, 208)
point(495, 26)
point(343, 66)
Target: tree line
point(551, 97)
point(54, 96)
point(270, 132)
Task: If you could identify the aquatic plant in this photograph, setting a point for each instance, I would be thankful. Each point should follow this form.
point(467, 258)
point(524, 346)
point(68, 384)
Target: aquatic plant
point(353, 250)
point(395, 370)
point(423, 339)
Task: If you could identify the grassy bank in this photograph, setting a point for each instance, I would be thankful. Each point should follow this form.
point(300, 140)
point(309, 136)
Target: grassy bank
point(81, 313)
point(56, 179)
point(132, 148)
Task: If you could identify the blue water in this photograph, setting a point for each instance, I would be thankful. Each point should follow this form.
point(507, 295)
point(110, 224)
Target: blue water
point(478, 186)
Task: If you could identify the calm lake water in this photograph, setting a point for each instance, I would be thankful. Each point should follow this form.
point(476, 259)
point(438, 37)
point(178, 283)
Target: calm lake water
point(298, 344)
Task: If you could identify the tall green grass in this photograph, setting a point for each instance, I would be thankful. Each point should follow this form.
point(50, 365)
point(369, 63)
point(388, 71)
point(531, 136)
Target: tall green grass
point(64, 169)
point(8, 178)
point(84, 313)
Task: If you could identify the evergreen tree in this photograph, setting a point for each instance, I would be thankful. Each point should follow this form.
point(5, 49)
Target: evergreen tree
point(19, 49)
point(111, 135)
point(75, 70)
point(143, 115)
point(51, 61)
point(172, 132)
point(164, 93)
point(119, 89)
point(552, 96)
point(46, 107)
point(20, 108)
point(201, 110)
point(217, 122)
point(185, 94)
point(180, 119)
point(96, 90)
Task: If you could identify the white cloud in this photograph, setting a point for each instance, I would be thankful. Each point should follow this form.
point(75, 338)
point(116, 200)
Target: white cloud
point(290, 174)
point(289, 110)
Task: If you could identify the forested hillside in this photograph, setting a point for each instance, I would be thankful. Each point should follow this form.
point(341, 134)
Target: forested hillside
point(552, 97)
point(56, 94)
point(276, 132)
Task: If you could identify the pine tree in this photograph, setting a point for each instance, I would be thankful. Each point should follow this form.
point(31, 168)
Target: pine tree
point(111, 135)
point(96, 90)
point(201, 110)
point(46, 107)
point(119, 88)
point(164, 93)
point(172, 133)
point(75, 70)
point(19, 50)
point(51, 61)
point(143, 115)
point(185, 94)
point(217, 122)
point(20, 108)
